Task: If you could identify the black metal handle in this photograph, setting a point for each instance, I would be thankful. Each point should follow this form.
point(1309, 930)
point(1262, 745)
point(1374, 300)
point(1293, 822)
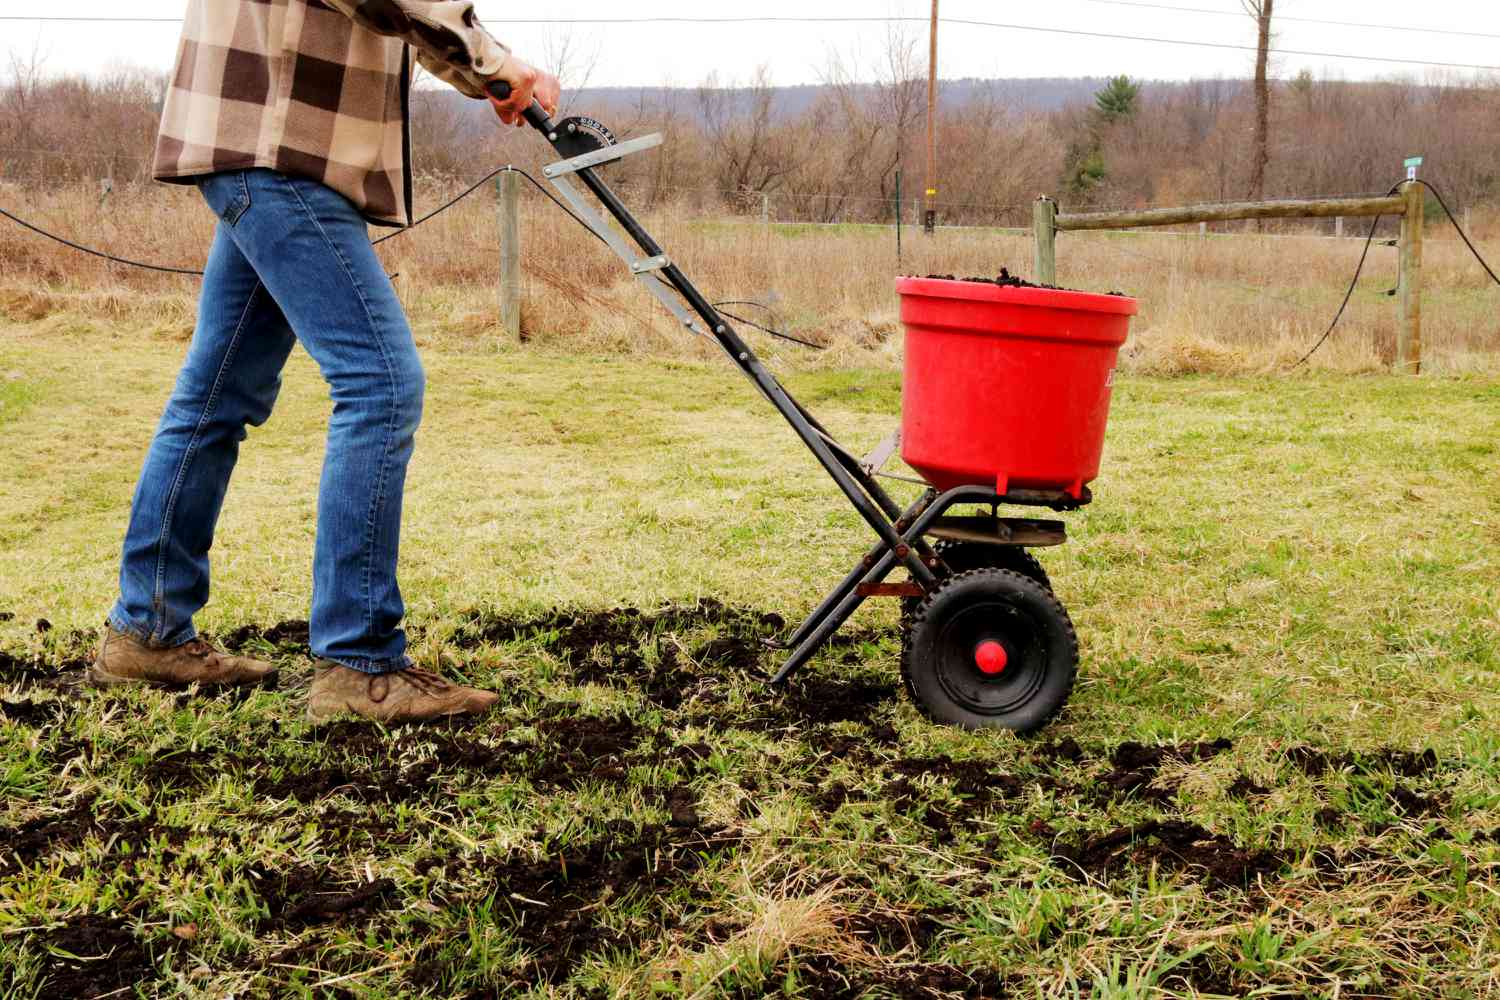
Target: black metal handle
point(536, 115)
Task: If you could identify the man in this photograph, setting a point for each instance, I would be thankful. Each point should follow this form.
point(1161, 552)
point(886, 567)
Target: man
point(291, 117)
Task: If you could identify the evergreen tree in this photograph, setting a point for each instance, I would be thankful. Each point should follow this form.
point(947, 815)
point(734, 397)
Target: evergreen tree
point(1118, 100)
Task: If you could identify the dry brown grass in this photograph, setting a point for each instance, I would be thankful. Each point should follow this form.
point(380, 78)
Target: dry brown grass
point(1228, 303)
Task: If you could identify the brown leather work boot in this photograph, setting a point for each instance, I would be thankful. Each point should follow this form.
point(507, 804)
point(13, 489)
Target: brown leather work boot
point(125, 660)
point(410, 695)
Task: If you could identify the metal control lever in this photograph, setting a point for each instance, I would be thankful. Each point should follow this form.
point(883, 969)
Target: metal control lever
point(901, 546)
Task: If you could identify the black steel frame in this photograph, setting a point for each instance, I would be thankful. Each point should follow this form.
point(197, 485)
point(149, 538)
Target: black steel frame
point(901, 531)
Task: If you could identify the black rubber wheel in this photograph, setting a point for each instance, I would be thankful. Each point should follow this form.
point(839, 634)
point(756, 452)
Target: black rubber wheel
point(962, 624)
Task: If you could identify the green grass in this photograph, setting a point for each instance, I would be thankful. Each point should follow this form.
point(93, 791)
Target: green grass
point(1303, 567)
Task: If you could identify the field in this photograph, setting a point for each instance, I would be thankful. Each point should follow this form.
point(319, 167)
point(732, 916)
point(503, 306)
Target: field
point(1232, 303)
point(1279, 776)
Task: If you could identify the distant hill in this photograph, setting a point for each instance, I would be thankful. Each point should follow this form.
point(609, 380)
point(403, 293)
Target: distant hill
point(1022, 95)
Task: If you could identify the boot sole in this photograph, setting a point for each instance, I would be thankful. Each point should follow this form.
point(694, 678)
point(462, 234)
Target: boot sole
point(99, 677)
point(347, 713)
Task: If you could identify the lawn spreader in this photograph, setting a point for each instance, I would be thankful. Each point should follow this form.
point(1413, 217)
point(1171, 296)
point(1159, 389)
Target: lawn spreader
point(1005, 397)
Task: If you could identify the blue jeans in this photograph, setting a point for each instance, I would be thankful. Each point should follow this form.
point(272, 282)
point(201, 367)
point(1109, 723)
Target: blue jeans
point(291, 261)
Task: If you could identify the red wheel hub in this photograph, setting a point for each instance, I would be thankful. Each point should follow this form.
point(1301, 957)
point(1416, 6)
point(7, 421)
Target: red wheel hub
point(990, 657)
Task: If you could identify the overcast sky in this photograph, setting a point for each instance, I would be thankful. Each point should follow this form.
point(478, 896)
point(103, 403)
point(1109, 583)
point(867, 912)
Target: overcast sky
point(684, 54)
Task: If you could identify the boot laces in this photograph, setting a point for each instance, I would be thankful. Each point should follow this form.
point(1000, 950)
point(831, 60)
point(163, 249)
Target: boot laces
point(425, 681)
point(200, 649)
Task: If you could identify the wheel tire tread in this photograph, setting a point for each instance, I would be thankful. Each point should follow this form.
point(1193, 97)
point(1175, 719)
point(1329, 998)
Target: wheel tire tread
point(919, 618)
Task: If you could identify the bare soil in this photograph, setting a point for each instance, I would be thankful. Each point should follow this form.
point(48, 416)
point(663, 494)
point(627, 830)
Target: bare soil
point(563, 902)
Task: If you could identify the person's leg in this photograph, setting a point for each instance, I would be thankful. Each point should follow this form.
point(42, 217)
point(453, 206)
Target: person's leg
point(312, 249)
point(229, 379)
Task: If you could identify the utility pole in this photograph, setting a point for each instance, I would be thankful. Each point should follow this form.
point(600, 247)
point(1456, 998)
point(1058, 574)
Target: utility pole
point(1261, 11)
point(929, 218)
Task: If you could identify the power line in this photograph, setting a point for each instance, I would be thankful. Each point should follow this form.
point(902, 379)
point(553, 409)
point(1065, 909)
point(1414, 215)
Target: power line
point(1079, 33)
point(1300, 20)
point(965, 22)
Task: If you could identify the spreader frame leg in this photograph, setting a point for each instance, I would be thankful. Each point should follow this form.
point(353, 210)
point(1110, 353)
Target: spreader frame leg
point(856, 576)
point(837, 608)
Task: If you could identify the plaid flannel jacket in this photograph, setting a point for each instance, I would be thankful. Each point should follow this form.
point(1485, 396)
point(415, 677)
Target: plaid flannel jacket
point(315, 88)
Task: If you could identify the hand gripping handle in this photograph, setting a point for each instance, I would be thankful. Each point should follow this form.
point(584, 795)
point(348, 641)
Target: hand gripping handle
point(536, 115)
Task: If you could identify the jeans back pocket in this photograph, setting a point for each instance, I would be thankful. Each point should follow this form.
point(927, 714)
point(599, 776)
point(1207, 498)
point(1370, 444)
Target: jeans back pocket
point(228, 194)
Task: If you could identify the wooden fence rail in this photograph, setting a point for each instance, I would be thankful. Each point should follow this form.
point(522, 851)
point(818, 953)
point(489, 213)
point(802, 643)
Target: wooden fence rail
point(1409, 205)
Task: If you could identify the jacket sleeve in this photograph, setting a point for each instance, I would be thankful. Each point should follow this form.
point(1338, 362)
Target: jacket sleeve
point(449, 40)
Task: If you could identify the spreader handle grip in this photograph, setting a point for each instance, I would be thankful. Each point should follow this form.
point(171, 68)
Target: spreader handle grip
point(536, 115)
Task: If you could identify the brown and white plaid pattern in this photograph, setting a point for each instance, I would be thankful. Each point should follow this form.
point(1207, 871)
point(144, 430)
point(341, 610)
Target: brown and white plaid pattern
point(315, 88)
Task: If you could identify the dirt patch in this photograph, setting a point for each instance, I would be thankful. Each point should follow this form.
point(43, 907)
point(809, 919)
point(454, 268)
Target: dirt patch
point(370, 765)
point(976, 785)
point(975, 779)
point(363, 762)
point(1403, 763)
point(584, 748)
point(179, 770)
point(304, 897)
point(632, 649)
point(556, 904)
point(94, 955)
point(682, 804)
point(827, 745)
point(1204, 974)
point(1172, 845)
point(828, 800)
point(627, 647)
point(37, 672)
point(21, 845)
point(836, 699)
point(294, 633)
point(363, 832)
point(30, 840)
point(1063, 751)
point(1409, 803)
point(1134, 767)
point(893, 932)
point(366, 783)
point(1245, 787)
point(1137, 757)
point(730, 654)
point(37, 714)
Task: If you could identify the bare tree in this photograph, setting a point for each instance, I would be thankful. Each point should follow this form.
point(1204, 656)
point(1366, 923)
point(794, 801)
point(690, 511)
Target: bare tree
point(754, 151)
point(19, 98)
point(573, 62)
point(877, 121)
point(1260, 158)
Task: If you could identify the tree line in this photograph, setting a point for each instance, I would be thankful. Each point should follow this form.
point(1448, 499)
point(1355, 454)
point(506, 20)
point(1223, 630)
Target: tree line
point(839, 157)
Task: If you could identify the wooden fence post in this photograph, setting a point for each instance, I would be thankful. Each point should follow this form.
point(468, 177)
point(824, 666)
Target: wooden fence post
point(508, 187)
point(1044, 235)
point(1409, 335)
